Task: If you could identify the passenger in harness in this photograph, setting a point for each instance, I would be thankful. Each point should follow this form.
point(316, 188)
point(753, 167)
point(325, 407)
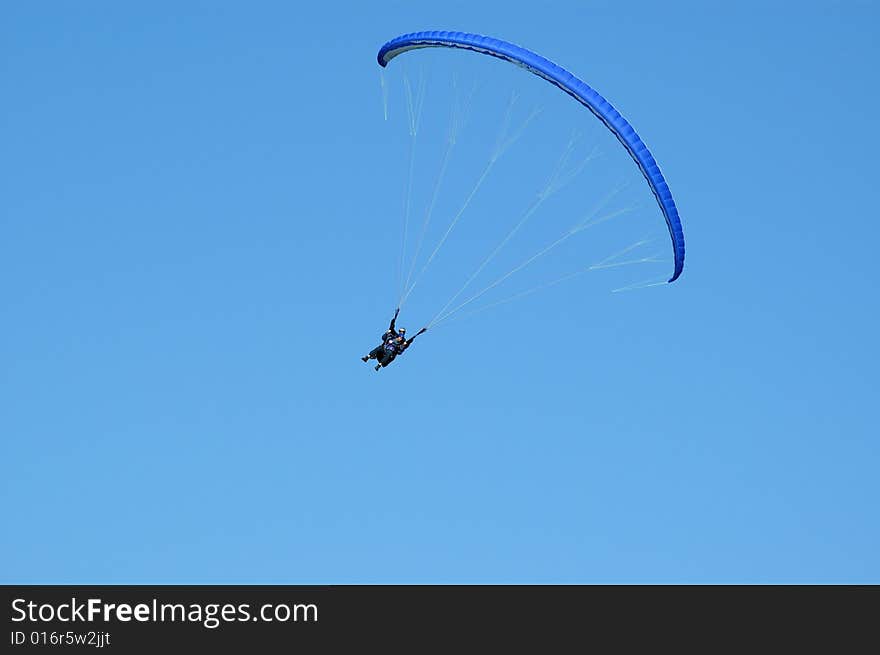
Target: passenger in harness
point(394, 343)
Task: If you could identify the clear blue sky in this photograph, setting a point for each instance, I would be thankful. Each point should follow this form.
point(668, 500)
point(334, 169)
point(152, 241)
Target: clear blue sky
point(193, 203)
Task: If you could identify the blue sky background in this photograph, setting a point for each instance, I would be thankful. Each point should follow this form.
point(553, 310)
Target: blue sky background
point(197, 202)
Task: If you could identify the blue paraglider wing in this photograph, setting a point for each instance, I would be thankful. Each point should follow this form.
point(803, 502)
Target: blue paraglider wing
point(576, 88)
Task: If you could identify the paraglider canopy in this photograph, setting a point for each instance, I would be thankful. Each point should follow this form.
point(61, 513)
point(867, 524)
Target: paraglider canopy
point(573, 86)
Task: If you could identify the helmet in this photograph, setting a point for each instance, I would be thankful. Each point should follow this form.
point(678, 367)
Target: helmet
point(401, 331)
